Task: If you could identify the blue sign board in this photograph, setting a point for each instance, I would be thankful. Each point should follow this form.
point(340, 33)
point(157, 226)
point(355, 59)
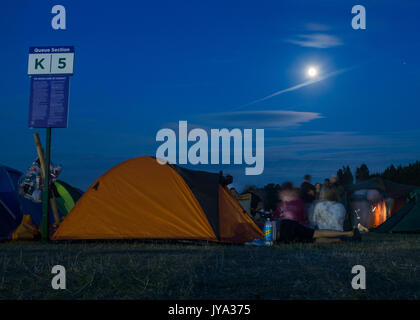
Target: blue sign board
point(49, 101)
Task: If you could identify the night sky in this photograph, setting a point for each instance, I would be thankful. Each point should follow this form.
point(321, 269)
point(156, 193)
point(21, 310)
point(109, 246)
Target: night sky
point(142, 66)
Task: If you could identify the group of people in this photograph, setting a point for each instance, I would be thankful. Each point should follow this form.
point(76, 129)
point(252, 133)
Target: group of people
point(307, 214)
point(324, 206)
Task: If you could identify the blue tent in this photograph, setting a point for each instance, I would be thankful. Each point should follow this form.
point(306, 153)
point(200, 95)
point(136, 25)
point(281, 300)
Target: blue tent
point(13, 205)
point(10, 207)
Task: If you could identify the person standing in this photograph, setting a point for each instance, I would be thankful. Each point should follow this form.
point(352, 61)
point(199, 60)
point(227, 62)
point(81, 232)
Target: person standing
point(334, 183)
point(307, 190)
point(317, 191)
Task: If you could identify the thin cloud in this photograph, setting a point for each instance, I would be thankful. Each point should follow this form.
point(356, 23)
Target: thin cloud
point(317, 27)
point(298, 86)
point(344, 145)
point(260, 118)
point(316, 40)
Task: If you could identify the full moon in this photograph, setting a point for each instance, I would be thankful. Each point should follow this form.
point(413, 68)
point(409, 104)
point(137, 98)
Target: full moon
point(312, 72)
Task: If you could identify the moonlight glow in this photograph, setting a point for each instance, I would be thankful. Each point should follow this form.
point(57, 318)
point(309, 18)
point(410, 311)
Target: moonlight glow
point(312, 72)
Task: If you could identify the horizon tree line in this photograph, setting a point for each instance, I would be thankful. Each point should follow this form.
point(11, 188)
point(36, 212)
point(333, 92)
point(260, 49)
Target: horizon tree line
point(409, 174)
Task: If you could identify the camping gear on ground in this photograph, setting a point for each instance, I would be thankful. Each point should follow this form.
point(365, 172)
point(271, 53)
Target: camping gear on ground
point(256, 242)
point(142, 199)
point(406, 219)
point(27, 230)
point(14, 205)
point(268, 232)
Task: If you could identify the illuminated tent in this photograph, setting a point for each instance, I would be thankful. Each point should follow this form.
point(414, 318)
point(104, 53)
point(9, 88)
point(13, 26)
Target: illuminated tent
point(406, 219)
point(142, 199)
point(375, 201)
point(391, 189)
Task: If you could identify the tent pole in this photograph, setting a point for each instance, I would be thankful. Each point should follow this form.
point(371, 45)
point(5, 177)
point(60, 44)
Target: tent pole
point(46, 193)
point(7, 209)
point(40, 152)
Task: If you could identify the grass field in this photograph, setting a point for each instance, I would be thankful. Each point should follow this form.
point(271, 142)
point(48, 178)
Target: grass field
point(127, 270)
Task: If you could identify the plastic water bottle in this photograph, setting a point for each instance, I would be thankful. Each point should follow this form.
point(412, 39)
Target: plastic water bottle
point(268, 233)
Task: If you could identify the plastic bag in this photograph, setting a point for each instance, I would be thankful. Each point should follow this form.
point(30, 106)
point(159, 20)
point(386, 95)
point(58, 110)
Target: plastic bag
point(31, 183)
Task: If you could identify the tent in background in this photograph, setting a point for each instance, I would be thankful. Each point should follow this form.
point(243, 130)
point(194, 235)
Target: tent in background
point(68, 196)
point(245, 201)
point(14, 206)
point(10, 214)
point(375, 201)
point(141, 199)
point(406, 219)
point(391, 189)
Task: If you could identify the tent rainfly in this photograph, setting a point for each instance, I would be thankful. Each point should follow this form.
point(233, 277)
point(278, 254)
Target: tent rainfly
point(142, 199)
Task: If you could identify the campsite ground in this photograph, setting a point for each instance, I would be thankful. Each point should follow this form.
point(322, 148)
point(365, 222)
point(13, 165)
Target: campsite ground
point(134, 270)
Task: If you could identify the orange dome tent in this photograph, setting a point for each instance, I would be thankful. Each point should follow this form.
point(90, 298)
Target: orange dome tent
point(142, 199)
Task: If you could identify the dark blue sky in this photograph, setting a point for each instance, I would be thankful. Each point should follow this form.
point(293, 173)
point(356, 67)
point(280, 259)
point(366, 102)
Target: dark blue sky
point(141, 66)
